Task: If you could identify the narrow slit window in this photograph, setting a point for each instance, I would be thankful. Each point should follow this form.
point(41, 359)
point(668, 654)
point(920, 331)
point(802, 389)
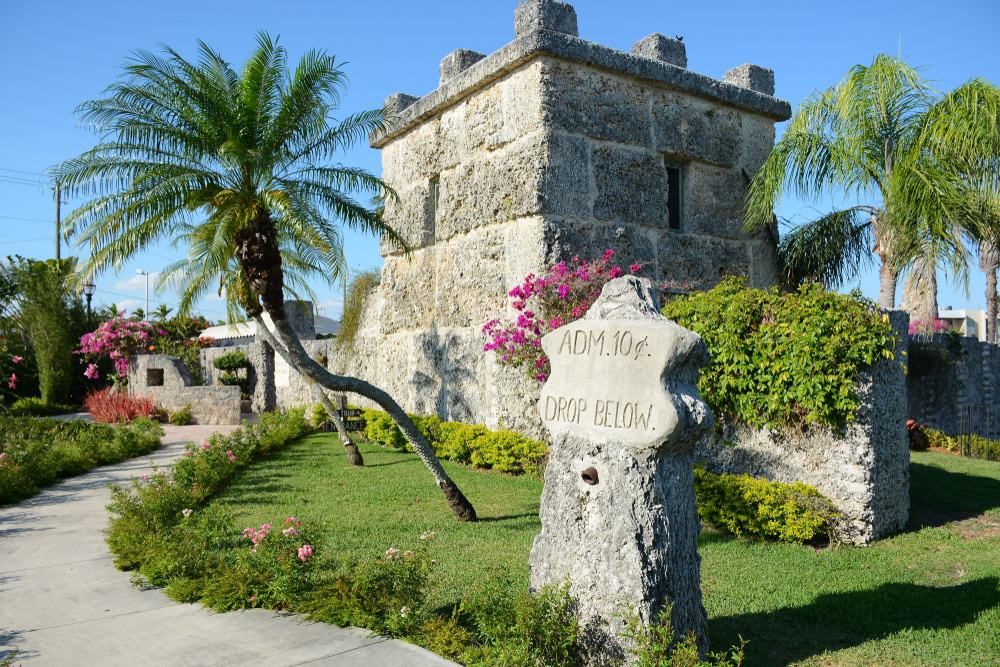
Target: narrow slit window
point(674, 187)
point(435, 193)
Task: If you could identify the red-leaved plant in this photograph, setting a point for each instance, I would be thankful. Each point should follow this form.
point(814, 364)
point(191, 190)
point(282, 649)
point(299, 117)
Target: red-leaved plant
point(544, 303)
point(111, 406)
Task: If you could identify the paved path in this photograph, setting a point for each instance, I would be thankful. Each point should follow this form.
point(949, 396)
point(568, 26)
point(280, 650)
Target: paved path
point(62, 602)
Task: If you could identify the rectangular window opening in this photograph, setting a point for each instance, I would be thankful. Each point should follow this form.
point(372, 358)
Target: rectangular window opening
point(675, 184)
point(154, 377)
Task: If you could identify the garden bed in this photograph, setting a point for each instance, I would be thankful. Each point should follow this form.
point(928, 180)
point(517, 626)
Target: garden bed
point(927, 596)
point(35, 453)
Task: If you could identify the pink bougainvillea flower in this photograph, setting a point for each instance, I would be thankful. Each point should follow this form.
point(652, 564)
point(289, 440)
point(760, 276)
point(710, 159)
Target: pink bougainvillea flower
point(91, 373)
point(230, 455)
point(17, 359)
point(305, 552)
point(292, 519)
point(205, 446)
point(635, 267)
point(12, 381)
point(291, 530)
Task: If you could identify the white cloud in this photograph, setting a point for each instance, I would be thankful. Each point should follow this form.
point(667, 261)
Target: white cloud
point(128, 305)
point(138, 282)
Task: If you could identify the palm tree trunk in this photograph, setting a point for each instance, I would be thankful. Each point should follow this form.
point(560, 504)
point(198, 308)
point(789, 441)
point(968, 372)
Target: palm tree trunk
point(292, 351)
point(888, 275)
point(920, 292)
point(887, 278)
point(353, 454)
point(989, 262)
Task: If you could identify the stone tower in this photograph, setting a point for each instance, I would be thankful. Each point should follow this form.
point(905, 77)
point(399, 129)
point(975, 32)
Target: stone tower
point(551, 147)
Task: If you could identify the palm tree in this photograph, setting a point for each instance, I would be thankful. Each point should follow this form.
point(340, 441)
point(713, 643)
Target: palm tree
point(869, 137)
point(236, 166)
point(162, 313)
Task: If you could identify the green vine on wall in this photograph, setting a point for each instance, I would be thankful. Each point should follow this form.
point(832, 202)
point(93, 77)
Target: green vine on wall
point(784, 359)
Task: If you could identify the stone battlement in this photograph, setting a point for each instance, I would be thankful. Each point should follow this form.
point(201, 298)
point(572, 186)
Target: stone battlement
point(544, 27)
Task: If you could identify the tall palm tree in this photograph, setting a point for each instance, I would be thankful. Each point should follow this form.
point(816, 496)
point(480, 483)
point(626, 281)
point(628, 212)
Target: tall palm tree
point(868, 138)
point(162, 313)
point(237, 167)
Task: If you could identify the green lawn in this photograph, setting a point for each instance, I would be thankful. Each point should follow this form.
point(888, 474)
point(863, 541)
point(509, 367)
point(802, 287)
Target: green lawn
point(928, 596)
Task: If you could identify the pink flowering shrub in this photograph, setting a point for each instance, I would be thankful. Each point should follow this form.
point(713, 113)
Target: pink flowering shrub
point(925, 328)
point(544, 303)
point(118, 339)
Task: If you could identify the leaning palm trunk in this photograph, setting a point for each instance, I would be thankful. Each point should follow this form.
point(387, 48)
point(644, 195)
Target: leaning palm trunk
point(290, 348)
point(353, 454)
point(989, 262)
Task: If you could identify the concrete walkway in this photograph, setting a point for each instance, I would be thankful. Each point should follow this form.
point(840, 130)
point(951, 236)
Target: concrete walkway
point(62, 602)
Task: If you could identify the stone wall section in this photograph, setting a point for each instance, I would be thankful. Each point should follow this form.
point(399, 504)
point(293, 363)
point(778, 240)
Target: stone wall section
point(168, 381)
point(947, 373)
point(864, 470)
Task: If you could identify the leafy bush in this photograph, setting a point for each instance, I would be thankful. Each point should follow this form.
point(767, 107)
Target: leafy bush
point(182, 417)
point(45, 305)
point(779, 359)
point(31, 406)
point(940, 439)
point(504, 451)
point(749, 507)
point(231, 361)
point(111, 406)
point(35, 453)
point(657, 645)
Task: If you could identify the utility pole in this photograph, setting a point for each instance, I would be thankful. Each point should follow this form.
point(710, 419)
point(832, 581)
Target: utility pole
point(58, 218)
point(143, 272)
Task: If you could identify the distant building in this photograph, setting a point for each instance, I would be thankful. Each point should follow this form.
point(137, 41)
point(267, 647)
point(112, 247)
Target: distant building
point(966, 322)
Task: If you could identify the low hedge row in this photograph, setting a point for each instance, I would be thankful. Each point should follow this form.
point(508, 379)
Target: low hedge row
point(974, 446)
point(35, 453)
point(739, 504)
point(746, 506)
point(471, 444)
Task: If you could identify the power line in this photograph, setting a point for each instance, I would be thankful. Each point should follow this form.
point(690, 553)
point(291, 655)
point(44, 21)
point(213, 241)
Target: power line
point(15, 217)
point(21, 171)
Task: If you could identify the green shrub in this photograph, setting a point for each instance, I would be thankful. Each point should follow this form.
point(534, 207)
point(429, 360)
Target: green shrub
point(784, 359)
point(231, 361)
point(749, 507)
point(32, 406)
point(504, 451)
point(380, 429)
point(657, 645)
point(45, 312)
point(35, 453)
point(182, 417)
point(940, 439)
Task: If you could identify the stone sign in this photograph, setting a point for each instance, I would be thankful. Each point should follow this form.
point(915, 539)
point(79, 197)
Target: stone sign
point(619, 522)
point(605, 381)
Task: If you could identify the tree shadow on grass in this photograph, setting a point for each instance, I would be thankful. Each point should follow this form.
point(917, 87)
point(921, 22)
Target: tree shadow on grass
point(939, 496)
point(841, 620)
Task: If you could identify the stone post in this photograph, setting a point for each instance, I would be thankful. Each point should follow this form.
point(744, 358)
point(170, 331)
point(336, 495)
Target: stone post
point(618, 515)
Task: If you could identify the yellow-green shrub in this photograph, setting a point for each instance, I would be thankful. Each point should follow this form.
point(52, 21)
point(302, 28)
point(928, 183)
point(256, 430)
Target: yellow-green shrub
point(503, 450)
point(941, 440)
point(749, 507)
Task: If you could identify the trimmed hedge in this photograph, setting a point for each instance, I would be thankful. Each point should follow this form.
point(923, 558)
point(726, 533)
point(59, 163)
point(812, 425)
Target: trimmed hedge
point(472, 444)
point(32, 406)
point(749, 507)
point(231, 361)
point(784, 359)
point(35, 453)
point(973, 446)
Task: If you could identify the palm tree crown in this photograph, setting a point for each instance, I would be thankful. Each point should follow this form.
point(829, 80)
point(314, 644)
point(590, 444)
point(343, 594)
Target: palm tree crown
point(234, 166)
point(882, 136)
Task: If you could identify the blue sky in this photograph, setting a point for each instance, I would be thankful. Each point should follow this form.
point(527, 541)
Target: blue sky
point(60, 53)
